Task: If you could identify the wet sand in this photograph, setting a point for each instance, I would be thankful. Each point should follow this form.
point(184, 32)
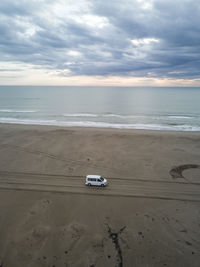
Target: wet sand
point(148, 215)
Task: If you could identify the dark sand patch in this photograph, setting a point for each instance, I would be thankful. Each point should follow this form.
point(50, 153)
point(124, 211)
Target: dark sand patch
point(177, 171)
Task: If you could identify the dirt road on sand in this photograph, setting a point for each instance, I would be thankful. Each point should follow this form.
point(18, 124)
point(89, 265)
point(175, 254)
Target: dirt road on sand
point(117, 186)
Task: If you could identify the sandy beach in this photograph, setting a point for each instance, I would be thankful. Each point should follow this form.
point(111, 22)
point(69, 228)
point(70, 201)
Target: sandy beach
point(148, 215)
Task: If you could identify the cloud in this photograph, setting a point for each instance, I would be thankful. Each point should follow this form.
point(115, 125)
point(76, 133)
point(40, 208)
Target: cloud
point(132, 38)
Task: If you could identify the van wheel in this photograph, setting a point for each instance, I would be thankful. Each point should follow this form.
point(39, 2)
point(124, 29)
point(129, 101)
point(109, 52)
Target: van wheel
point(89, 184)
point(102, 185)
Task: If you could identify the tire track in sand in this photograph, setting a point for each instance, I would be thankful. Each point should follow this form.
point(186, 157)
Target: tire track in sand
point(116, 187)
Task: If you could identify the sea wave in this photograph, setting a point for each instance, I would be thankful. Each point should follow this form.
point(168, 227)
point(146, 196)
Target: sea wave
point(100, 115)
point(156, 127)
point(17, 111)
point(80, 115)
point(180, 117)
point(127, 116)
point(116, 115)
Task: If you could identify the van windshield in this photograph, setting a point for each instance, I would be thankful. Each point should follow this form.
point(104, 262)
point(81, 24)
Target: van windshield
point(101, 179)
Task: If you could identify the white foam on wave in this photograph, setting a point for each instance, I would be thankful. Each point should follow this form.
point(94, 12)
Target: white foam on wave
point(180, 117)
point(17, 111)
point(101, 115)
point(156, 127)
point(80, 115)
point(114, 115)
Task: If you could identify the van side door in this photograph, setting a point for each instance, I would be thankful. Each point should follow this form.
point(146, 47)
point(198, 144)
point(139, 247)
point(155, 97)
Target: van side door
point(94, 181)
point(99, 182)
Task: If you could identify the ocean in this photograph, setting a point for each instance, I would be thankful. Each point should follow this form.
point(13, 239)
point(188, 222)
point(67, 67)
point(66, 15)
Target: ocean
point(151, 108)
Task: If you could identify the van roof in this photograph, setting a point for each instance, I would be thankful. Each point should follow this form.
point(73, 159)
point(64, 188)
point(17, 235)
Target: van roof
point(94, 176)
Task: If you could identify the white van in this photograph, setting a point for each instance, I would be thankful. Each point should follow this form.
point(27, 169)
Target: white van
point(95, 180)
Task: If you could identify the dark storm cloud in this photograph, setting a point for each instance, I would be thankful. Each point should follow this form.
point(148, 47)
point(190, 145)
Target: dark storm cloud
point(138, 38)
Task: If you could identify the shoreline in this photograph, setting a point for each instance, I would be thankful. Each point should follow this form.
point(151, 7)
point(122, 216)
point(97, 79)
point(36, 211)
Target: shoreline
point(96, 128)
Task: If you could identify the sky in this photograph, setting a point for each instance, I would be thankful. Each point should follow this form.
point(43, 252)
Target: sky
point(100, 42)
